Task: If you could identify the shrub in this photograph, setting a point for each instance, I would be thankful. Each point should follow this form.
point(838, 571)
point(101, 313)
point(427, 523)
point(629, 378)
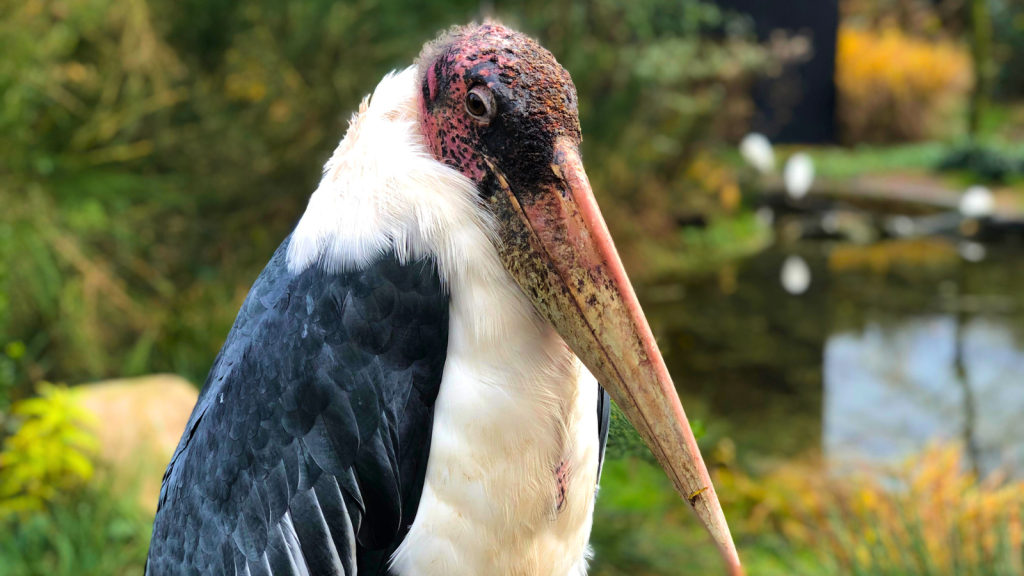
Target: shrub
point(49, 455)
point(154, 153)
point(983, 163)
point(94, 532)
point(930, 515)
point(1008, 25)
point(58, 516)
point(894, 87)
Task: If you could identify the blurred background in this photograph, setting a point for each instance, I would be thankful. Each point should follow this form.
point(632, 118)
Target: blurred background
point(820, 202)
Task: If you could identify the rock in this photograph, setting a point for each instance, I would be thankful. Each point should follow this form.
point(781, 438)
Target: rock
point(140, 421)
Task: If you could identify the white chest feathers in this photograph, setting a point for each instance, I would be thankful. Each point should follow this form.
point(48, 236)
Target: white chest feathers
point(509, 488)
point(513, 458)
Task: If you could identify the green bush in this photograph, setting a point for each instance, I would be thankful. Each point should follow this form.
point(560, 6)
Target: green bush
point(93, 533)
point(1008, 25)
point(153, 153)
point(48, 455)
point(983, 163)
point(57, 515)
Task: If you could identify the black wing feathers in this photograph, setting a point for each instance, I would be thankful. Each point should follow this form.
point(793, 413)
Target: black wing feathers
point(306, 451)
point(604, 417)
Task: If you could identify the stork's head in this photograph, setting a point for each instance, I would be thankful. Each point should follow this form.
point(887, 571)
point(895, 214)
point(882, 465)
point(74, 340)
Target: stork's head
point(497, 107)
point(493, 97)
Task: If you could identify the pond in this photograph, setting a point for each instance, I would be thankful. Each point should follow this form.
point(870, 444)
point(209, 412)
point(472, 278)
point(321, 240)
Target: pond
point(858, 353)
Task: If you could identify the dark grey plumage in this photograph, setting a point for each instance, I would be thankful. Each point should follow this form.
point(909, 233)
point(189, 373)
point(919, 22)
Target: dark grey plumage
point(307, 448)
point(306, 452)
point(604, 419)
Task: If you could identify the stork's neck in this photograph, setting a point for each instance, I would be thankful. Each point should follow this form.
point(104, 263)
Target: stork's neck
point(383, 190)
point(510, 480)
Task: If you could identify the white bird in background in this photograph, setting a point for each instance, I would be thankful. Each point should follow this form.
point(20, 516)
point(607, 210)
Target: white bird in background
point(758, 152)
point(798, 175)
point(977, 202)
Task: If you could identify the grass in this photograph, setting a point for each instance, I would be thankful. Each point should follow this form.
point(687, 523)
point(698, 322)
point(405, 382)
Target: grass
point(926, 517)
point(841, 163)
point(920, 158)
point(92, 533)
point(641, 527)
point(1002, 130)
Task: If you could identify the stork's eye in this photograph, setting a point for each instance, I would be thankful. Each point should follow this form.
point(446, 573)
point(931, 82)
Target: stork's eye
point(480, 104)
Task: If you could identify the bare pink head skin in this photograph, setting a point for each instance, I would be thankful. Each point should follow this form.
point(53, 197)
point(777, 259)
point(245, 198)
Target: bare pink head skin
point(497, 107)
point(534, 101)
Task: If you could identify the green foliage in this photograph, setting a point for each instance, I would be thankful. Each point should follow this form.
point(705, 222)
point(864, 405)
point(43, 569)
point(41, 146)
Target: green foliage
point(642, 527)
point(842, 163)
point(625, 442)
point(154, 153)
point(623, 439)
point(49, 454)
point(723, 240)
point(12, 352)
point(990, 159)
point(983, 163)
point(57, 515)
point(94, 533)
point(927, 516)
point(1008, 26)
point(651, 89)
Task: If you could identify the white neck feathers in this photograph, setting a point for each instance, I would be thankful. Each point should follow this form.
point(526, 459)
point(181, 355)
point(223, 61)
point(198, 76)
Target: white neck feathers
point(382, 190)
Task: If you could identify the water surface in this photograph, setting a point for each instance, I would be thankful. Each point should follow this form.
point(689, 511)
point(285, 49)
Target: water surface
point(858, 353)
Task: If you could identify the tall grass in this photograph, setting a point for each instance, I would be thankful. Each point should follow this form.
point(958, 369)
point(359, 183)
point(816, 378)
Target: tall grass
point(91, 533)
point(59, 512)
point(154, 153)
point(928, 517)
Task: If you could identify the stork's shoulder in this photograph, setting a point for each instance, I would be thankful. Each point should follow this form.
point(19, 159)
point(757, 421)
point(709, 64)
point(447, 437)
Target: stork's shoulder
point(317, 410)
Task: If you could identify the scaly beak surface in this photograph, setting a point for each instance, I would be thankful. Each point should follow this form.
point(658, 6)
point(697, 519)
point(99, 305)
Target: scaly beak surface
point(557, 247)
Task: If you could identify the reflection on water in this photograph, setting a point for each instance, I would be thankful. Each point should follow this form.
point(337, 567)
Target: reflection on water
point(890, 390)
point(796, 275)
point(886, 348)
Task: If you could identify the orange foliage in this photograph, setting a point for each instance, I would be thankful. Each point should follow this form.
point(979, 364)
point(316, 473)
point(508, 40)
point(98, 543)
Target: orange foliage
point(895, 87)
point(930, 514)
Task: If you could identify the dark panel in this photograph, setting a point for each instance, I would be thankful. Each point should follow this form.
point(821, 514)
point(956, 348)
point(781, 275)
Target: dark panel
point(799, 105)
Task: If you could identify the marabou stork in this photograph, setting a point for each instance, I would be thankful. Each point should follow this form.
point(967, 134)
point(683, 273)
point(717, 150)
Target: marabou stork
point(409, 387)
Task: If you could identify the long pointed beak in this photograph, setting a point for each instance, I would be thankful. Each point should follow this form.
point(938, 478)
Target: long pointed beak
point(556, 245)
